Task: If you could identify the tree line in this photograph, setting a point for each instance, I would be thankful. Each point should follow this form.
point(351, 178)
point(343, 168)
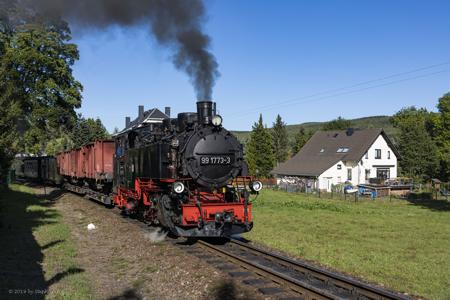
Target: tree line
point(38, 92)
point(268, 147)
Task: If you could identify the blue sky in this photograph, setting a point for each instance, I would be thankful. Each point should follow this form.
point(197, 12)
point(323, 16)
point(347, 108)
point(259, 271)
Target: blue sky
point(273, 55)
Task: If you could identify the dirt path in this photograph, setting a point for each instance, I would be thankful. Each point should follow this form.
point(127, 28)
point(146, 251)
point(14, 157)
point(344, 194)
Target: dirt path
point(123, 261)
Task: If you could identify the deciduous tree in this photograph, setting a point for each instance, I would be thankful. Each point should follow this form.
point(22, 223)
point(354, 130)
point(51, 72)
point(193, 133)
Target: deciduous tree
point(439, 128)
point(38, 93)
point(419, 154)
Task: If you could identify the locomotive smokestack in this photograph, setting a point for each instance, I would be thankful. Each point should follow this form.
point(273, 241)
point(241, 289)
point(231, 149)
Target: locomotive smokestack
point(141, 112)
point(204, 111)
point(167, 111)
point(127, 122)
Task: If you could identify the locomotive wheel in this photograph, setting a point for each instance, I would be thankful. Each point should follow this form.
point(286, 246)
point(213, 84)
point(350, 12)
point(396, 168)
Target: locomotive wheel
point(164, 212)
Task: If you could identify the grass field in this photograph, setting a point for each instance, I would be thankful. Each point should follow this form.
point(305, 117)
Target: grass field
point(37, 256)
point(401, 245)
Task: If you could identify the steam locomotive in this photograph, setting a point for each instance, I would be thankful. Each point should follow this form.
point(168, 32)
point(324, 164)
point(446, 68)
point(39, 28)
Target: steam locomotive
point(187, 174)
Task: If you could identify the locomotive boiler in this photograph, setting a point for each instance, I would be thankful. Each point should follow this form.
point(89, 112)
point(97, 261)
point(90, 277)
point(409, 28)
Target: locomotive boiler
point(186, 173)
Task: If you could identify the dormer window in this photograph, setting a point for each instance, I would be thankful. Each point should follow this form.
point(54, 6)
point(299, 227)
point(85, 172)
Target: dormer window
point(342, 150)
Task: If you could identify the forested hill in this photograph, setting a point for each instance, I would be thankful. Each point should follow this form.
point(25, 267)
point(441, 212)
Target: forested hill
point(366, 122)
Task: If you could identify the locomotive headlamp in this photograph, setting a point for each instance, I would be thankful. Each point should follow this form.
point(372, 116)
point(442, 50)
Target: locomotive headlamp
point(227, 217)
point(256, 186)
point(178, 187)
point(217, 120)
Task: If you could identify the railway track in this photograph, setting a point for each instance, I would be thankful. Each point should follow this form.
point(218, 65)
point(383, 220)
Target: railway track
point(299, 278)
point(293, 279)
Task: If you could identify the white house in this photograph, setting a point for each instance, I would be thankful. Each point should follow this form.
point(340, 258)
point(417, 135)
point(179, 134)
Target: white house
point(352, 155)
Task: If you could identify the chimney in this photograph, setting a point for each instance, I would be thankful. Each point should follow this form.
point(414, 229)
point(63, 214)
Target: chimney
point(141, 112)
point(127, 122)
point(204, 111)
point(167, 111)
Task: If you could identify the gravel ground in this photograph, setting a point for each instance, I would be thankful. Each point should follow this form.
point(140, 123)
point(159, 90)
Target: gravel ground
point(124, 261)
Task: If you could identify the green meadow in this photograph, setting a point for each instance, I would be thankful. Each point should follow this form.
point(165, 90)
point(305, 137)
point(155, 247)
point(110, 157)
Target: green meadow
point(398, 244)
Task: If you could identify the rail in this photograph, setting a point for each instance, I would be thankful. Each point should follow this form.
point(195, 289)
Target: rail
point(310, 281)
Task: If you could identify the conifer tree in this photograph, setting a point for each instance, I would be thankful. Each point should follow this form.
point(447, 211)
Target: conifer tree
point(259, 150)
point(300, 139)
point(337, 124)
point(87, 131)
point(280, 140)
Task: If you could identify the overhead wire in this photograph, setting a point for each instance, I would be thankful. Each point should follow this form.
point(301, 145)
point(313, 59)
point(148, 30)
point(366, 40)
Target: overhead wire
point(295, 101)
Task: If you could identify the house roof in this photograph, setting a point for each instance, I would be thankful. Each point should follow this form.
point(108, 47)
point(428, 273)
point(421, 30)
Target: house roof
point(321, 151)
point(153, 115)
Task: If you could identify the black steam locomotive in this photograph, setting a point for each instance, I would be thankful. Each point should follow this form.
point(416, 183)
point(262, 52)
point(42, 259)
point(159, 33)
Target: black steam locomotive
point(187, 173)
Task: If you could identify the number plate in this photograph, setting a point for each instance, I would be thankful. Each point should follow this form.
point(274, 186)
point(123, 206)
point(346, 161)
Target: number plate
point(215, 160)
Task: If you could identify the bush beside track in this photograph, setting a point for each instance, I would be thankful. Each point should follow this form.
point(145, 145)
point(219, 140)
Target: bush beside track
point(401, 245)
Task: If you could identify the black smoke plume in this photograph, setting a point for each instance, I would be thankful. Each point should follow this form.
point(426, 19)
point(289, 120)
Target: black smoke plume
point(176, 24)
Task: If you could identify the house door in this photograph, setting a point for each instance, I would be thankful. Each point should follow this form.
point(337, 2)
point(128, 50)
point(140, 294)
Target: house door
point(328, 183)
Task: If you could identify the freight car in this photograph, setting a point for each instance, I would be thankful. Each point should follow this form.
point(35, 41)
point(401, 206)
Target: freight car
point(39, 169)
point(89, 170)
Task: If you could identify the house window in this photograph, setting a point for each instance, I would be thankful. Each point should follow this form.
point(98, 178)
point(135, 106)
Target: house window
point(389, 154)
point(377, 153)
point(339, 167)
point(367, 154)
point(383, 173)
point(349, 174)
point(367, 174)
